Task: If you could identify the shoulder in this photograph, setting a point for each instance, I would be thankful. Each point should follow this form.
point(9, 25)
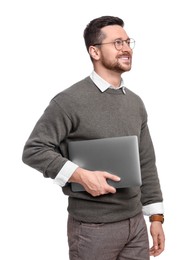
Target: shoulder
point(136, 103)
point(75, 94)
point(76, 89)
point(134, 97)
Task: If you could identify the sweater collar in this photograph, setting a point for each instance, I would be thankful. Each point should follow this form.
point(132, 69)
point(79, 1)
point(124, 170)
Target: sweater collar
point(104, 85)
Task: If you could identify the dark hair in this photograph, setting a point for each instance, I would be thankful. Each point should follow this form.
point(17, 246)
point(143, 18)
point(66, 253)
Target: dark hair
point(92, 33)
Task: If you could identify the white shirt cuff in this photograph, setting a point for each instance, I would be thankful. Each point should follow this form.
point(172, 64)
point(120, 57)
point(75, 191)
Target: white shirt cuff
point(65, 173)
point(155, 208)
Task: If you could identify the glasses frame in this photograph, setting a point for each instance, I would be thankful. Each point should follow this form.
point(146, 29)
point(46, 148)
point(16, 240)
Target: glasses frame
point(128, 42)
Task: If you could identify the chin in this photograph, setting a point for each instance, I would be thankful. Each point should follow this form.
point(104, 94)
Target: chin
point(127, 69)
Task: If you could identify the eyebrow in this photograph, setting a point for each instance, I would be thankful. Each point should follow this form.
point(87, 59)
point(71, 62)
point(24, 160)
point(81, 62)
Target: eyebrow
point(122, 39)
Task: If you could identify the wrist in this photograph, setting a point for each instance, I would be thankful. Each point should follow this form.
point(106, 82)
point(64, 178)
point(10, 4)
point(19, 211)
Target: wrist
point(76, 176)
point(157, 217)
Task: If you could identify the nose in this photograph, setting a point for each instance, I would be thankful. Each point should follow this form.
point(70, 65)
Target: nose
point(126, 45)
point(126, 48)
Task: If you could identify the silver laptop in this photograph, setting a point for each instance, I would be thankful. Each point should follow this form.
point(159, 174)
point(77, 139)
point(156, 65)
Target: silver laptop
point(116, 155)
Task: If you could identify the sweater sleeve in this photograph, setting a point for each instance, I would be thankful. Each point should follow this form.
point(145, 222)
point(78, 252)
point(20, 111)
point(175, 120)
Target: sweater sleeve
point(42, 149)
point(150, 189)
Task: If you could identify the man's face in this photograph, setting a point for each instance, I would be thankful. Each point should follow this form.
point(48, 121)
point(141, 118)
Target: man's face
point(111, 58)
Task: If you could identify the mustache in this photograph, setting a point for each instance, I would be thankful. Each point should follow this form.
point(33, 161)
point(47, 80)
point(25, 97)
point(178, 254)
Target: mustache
point(125, 53)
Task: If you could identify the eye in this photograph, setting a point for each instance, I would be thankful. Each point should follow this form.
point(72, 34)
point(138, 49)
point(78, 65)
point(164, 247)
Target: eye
point(119, 42)
point(128, 41)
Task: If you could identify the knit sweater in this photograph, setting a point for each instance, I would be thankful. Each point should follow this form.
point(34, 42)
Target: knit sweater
point(83, 112)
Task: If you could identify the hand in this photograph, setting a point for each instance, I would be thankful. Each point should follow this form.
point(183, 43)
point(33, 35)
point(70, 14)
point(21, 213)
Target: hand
point(94, 182)
point(158, 238)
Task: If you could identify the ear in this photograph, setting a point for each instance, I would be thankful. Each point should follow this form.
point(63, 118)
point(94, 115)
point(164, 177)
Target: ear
point(94, 52)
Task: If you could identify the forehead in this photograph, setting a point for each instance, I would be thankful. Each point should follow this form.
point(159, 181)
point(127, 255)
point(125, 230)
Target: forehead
point(113, 32)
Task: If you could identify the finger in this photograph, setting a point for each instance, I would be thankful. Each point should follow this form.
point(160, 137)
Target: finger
point(110, 176)
point(162, 242)
point(157, 248)
point(110, 189)
point(161, 245)
point(151, 251)
point(154, 252)
point(155, 245)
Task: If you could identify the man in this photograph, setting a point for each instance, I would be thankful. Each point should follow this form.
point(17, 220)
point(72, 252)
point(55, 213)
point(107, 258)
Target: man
point(104, 223)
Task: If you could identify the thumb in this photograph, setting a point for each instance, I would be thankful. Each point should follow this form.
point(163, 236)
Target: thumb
point(155, 242)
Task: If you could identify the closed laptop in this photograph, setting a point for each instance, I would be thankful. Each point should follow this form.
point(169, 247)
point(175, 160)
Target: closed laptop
point(116, 155)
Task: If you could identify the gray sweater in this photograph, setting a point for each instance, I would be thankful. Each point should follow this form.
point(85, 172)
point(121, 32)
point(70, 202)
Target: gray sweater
point(81, 112)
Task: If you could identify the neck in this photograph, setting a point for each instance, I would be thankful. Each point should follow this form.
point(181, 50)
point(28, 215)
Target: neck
point(112, 77)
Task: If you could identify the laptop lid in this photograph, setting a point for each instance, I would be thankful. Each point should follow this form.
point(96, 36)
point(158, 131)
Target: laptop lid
point(116, 155)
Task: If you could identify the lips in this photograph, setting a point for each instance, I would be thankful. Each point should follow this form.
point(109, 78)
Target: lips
point(125, 58)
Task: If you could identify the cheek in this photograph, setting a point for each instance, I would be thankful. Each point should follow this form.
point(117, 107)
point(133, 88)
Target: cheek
point(109, 58)
point(109, 53)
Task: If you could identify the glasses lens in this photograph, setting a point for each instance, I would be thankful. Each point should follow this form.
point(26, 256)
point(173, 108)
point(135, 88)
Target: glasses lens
point(118, 44)
point(132, 43)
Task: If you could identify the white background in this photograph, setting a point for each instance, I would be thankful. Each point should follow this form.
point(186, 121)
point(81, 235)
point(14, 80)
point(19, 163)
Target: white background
point(41, 53)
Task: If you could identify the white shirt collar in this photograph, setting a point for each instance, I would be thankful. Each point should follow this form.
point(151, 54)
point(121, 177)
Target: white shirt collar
point(104, 85)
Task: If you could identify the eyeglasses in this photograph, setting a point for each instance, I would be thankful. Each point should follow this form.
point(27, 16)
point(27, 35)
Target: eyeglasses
point(119, 43)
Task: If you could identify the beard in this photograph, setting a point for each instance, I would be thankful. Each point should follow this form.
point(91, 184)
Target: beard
point(116, 66)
